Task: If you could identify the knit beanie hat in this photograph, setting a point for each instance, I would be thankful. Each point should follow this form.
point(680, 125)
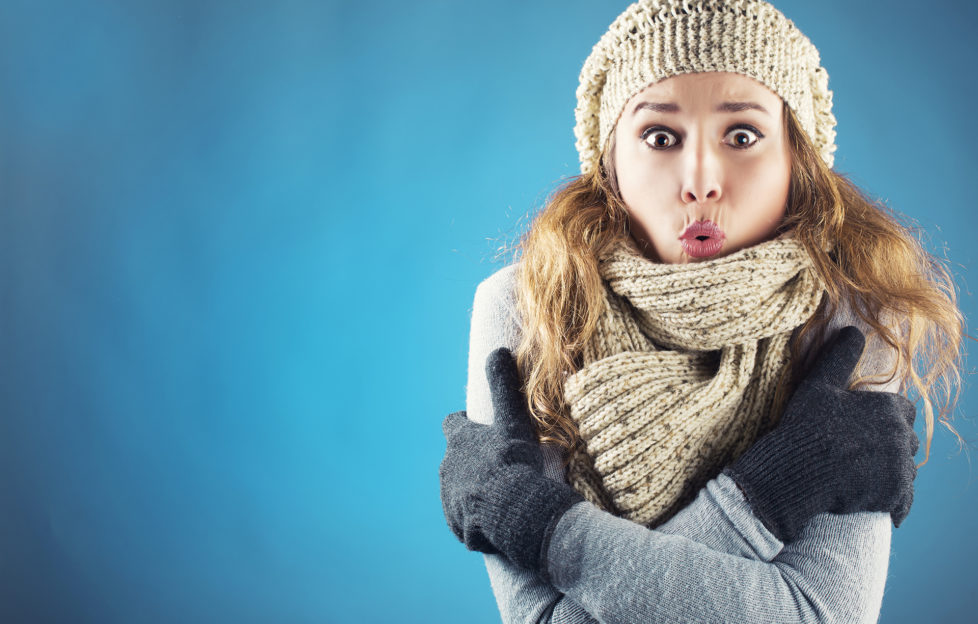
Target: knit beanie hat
point(655, 39)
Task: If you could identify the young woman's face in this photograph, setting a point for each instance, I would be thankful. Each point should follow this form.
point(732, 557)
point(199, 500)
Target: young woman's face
point(702, 169)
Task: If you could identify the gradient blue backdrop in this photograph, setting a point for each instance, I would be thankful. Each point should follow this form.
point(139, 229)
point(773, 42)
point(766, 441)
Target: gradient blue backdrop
point(238, 247)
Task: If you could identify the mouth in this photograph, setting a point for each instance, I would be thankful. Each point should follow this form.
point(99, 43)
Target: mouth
point(702, 239)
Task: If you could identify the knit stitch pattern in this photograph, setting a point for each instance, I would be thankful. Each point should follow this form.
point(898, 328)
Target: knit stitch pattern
point(655, 39)
point(681, 376)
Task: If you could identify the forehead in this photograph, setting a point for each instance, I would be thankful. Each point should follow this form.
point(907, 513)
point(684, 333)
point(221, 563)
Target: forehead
point(706, 89)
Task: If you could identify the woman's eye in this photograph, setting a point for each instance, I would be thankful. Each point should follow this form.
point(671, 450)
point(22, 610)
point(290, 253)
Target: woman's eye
point(659, 139)
point(742, 138)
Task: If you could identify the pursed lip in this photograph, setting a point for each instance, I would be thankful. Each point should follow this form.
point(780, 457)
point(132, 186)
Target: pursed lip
point(702, 228)
point(702, 239)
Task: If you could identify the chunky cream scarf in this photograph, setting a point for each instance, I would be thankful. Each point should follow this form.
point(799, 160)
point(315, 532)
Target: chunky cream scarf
point(681, 376)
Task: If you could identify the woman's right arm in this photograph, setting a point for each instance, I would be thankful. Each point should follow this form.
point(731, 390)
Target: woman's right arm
point(686, 568)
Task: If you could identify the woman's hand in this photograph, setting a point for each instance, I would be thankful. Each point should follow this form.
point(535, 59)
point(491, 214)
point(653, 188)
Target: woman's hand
point(493, 491)
point(835, 450)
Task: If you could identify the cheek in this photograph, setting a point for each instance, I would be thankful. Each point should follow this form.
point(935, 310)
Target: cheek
point(641, 180)
point(768, 192)
point(645, 190)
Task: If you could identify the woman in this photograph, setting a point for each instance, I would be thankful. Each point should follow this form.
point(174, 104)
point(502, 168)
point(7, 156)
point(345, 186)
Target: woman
point(680, 314)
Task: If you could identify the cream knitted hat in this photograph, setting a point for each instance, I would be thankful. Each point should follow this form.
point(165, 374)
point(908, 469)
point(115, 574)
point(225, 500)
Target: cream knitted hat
point(655, 39)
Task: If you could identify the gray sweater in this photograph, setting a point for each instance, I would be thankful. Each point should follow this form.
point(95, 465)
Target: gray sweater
point(714, 561)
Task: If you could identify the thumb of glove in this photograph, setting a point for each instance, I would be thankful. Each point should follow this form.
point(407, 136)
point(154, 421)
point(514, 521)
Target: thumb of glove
point(508, 401)
point(838, 358)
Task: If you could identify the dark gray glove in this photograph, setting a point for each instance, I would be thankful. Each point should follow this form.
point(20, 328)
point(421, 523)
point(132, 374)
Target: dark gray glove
point(493, 491)
point(835, 450)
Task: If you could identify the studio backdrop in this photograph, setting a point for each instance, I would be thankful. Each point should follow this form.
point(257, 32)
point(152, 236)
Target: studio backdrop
point(239, 243)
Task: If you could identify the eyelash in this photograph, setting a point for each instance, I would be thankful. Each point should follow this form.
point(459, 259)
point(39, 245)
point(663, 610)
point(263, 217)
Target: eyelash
point(649, 131)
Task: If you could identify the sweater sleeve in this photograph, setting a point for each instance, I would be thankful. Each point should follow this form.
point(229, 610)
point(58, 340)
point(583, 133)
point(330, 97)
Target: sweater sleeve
point(713, 561)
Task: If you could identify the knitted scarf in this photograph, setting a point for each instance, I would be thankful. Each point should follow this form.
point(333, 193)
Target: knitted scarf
point(681, 375)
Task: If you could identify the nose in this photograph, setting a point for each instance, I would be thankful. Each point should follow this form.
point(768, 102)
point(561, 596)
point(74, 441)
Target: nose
point(701, 174)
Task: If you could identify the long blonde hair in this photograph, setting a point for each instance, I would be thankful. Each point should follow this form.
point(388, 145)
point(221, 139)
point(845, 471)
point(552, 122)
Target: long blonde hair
point(876, 265)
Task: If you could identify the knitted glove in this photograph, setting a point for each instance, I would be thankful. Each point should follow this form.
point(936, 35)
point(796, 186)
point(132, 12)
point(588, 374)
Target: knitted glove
point(493, 491)
point(835, 450)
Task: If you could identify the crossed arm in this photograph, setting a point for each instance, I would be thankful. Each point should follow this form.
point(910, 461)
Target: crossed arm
point(713, 561)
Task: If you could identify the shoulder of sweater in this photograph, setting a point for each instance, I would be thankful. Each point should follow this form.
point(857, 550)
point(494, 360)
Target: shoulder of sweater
point(878, 357)
point(496, 294)
point(844, 316)
point(502, 282)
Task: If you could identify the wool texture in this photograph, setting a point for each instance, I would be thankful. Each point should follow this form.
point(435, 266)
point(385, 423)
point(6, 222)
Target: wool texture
point(681, 376)
point(655, 39)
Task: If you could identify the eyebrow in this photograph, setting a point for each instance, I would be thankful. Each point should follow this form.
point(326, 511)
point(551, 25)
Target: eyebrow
point(726, 107)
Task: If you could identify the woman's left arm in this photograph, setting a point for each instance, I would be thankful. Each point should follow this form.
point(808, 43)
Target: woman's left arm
point(619, 571)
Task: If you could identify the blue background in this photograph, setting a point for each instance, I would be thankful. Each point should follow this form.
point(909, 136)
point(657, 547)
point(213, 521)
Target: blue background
point(238, 247)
